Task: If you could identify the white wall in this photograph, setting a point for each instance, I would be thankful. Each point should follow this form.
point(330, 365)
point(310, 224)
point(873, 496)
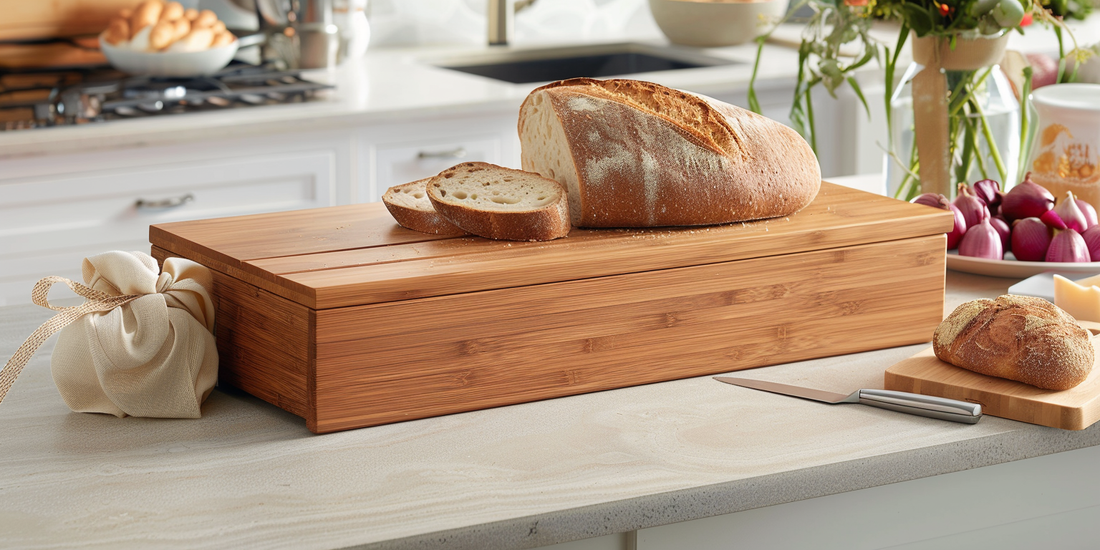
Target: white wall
point(419, 22)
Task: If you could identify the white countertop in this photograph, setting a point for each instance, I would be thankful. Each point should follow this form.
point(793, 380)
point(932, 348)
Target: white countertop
point(248, 474)
point(384, 86)
point(389, 85)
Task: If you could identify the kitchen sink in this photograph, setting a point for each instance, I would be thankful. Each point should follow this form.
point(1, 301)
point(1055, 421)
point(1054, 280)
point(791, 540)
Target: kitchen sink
point(544, 65)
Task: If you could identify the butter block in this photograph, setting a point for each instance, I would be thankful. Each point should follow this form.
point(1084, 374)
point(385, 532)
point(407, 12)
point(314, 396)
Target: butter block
point(1081, 299)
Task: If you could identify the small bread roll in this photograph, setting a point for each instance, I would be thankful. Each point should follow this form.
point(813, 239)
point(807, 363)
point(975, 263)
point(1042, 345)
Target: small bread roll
point(162, 35)
point(218, 26)
point(172, 11)
point(183, 28)
point(117, 32)
point(190, 14)
point(1020, 338)
point(196, 41)
point(126, 13)
point(145, 14)
point(205, 19)
point(223, 38)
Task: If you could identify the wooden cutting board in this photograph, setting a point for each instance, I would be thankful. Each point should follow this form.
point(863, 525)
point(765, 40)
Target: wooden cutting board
point(1072, 409)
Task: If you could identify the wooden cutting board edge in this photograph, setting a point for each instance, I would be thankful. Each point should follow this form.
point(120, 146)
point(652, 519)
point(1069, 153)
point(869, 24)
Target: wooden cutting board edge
point(1073, 409)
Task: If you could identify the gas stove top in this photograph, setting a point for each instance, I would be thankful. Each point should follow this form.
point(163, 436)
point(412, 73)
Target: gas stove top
point(47, 98)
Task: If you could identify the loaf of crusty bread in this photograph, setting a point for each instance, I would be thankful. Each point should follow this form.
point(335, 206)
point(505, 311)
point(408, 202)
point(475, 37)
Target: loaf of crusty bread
point(1020, 338)
point(408, 203)
point(637, 154)
point(500, 203)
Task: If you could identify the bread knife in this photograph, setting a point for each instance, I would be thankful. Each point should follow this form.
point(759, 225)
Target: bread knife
point(911, 403)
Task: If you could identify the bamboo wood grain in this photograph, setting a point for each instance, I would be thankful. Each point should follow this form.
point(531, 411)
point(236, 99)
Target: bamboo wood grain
point(440, 355)
point(37, 56)
point(291, 233)
point(1073, 409)
point(353, 255)
point(23, 20)
point(264, 343)
point(342, 317)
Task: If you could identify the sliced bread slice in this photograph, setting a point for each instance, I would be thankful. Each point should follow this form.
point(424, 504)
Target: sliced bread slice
point(501, 203)
point(408, 203)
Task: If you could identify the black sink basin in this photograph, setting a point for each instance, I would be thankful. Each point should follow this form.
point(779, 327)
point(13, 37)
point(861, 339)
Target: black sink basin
point(618, 60)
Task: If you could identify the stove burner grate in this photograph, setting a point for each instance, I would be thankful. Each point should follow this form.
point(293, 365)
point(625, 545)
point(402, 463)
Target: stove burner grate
point(38, 99)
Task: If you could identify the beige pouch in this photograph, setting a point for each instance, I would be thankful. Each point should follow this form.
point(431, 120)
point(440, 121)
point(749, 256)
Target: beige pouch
point(143, 343)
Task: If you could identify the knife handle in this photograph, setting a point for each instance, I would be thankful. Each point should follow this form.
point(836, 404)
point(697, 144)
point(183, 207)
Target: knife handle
point(923, 405)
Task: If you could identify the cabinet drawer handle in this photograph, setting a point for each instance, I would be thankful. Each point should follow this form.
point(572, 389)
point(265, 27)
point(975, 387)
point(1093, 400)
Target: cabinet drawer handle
point(170, 202)
point(456, 153)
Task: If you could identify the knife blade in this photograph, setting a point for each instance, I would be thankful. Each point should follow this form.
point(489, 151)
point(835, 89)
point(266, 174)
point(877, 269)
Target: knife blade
point(911, 403)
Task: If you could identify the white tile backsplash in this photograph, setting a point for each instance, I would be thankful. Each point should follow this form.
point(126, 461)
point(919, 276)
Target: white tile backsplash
point(424, 22)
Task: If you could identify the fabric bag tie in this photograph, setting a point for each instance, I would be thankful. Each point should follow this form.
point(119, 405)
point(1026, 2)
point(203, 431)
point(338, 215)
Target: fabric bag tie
point(141, 344)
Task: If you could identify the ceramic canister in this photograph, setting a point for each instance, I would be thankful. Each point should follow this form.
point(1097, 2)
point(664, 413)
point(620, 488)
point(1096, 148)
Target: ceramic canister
point(1066, 149)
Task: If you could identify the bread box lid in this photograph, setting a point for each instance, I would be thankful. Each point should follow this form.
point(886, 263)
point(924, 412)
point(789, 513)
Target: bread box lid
point(355, 255)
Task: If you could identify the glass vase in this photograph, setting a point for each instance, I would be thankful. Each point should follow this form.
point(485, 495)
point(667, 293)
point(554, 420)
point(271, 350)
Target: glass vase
point(982, 137)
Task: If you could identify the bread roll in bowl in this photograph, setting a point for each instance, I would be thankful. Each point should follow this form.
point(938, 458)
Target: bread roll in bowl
point(159, 38)
point(158, 26)
point(168, 63)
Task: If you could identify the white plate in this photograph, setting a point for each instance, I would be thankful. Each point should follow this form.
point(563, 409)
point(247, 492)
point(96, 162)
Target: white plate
point(176, 64)
point(1011, 268)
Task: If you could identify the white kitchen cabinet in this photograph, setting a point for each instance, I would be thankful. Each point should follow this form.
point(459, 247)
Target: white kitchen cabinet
point(55, 211)
point(400, 153)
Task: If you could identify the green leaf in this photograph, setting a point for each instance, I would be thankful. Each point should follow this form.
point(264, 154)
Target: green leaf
point(859, 93)
point(868, 56)
point(754, 103)
point(918, 18)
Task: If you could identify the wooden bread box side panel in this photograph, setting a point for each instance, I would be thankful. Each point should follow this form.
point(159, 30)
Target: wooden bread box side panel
point(265, 345)
point(383, 363)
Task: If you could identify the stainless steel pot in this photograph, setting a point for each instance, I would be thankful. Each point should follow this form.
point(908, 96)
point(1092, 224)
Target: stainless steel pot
point(299, 32)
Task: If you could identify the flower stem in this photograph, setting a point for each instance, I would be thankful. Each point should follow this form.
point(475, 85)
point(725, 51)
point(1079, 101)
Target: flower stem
point(988, 134)
point(1025, 130)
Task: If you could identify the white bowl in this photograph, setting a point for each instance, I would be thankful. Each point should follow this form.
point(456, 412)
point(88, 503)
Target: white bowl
point(714, 23)
point(178, 64)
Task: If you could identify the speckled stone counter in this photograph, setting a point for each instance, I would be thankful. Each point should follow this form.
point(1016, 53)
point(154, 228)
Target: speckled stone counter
point(250, 475)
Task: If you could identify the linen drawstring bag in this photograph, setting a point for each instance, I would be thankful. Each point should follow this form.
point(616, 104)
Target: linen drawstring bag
point(142, 343)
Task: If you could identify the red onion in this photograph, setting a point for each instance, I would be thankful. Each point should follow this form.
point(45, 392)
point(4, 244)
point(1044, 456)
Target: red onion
point(1089, 212)
point(1030, 240)
point(981, 240)
point(971, 207)
point(934, 200)
point(1092, 241)
point(1068, 246)
point(1069, 212)
point(1044, 70)
point(937, 200)
point(1053, 220)
point(1026, 199)
point(954, 237)
point(989, 192)
point(1003, 230)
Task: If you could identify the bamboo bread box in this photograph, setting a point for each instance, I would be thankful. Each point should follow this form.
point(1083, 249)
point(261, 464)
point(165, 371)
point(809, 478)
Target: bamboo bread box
point(344, 318)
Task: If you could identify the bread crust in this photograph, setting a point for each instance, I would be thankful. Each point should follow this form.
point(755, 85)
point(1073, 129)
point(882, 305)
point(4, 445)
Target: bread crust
point(145, 14)
point(646, 155)
point(1020, 338)
point(542, 223)
point(413, 214)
